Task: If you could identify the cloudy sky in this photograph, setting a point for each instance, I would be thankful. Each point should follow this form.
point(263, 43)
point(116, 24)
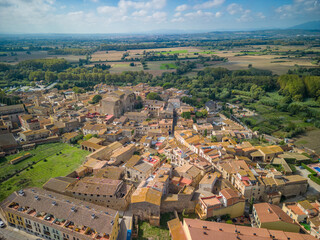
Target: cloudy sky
point(130, 16)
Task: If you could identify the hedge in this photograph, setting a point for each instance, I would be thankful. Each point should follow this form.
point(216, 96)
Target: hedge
point(315, 179)
point(309, 169)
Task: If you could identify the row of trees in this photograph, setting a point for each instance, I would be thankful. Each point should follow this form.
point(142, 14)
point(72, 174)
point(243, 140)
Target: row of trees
point(299, 88)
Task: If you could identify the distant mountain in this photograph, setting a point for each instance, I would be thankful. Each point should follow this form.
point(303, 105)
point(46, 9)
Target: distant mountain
point(315, 25)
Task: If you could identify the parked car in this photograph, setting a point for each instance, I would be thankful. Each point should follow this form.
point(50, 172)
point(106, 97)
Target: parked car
point(2, 224)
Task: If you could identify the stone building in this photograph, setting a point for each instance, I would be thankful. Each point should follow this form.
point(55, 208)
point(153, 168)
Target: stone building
point(117, 103)
point(145, 203)
point(50, 215)
point(109, 193)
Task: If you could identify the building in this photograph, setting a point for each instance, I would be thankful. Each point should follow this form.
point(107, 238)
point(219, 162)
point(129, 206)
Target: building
point(32, 135)
point(117, 103)
point(94, 129)
point(212, 107)
point(122, 155)
point(228, 202)
point(110, 193)
point(53, 216)
point(145, 203)
point(28, 122)
point(203, 129)
point(13, 112)
point(137, 169)
point(271, 216)
point(195, 229)
point(208, 181)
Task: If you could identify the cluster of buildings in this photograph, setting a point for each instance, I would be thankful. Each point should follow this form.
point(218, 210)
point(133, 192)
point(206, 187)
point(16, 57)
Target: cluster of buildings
point(144, 159)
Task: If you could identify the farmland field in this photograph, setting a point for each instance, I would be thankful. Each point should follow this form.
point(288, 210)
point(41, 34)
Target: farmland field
point(21, 56)
point(309, 139)
point(266, 62)
point(54, 166)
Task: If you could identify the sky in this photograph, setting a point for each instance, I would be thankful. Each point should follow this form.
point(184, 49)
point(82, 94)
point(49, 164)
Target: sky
point(143, 16)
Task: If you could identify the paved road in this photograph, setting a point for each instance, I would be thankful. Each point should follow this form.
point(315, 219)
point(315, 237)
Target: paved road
point(314, 188)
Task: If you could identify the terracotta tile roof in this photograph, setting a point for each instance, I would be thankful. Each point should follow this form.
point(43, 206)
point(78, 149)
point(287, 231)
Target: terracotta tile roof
point(271, 213)
point(206, 230)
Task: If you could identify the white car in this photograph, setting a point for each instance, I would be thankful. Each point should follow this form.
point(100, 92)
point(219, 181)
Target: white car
point(2, 225)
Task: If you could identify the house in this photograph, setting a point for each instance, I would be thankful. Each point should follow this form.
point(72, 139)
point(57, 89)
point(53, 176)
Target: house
point(29, 122)
point(189, 171)
point(228, 201)
point(273, 218)
point(137, 169)
point(12, 112)
point(212, 107)
point(94, 129)
point(203, 129)
point(208, 181)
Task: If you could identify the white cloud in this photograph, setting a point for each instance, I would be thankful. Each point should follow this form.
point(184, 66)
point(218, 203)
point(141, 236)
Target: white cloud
point(245, 17)
point(198, 13)
point(209, 4)
point(177, 14)
point(107, 9)
point(158, 17)
point(218, 14)
point(299, 7)
point(181, 8)
point(140, 13)
point(179, 19)
point(261, 15)
point(234, 8)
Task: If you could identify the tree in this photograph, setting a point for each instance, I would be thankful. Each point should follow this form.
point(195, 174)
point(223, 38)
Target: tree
point(214, 138)
point(186, 115)
point(78, 90)
point(205, 132)
point(131, 64)
point(153, 96)
point(96, 99)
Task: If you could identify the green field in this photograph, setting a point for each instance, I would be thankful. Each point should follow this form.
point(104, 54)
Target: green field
point(174, 52)
point(165, 66)
point(39, 153)
point(54, 166)
point(271, 119)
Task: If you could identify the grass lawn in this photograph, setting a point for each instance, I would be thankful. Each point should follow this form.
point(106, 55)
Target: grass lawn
point(40, 152)
point(163, 66)
point(56, 165)
point(146, 231)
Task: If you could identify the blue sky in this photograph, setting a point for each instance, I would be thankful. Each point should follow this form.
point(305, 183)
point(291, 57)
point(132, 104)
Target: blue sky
point(132, 16)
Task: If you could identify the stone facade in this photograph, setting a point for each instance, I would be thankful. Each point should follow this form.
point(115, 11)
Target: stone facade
point(117, 103)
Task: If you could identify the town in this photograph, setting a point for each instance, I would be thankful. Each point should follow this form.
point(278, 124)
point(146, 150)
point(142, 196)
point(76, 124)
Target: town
point(148, 158)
